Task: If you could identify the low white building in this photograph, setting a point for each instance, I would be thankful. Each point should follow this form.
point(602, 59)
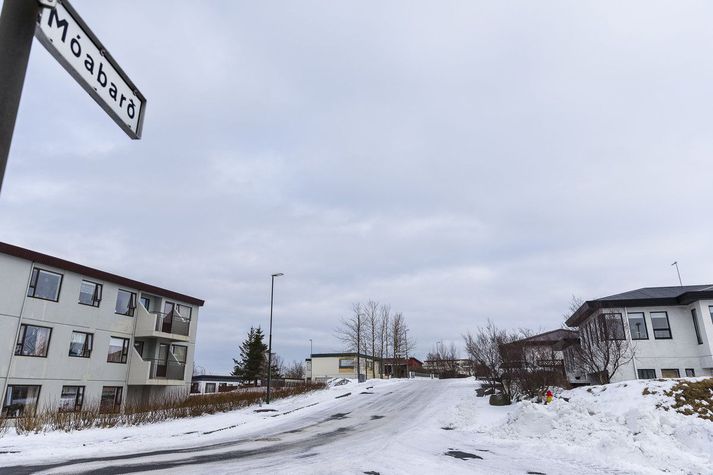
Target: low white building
point(325, 366)
point(211, 384)
point(669, 330)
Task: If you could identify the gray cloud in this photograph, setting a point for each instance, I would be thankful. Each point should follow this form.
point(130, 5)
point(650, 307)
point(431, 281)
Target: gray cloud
point(461, 161)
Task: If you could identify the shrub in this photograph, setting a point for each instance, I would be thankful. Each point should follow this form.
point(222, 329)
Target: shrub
point(693, 398)
point(499, 399)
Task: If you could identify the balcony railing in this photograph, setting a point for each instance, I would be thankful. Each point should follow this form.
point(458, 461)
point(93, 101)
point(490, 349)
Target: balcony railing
point(162, 369)
point(172, 322)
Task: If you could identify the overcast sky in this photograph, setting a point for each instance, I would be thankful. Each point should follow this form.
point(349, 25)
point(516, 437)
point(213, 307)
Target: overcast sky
point(458, 160)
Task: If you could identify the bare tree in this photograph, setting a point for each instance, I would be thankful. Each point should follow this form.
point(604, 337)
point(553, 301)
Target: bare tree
point(295, 370)
point(401, 343)
point(371, 321)
point(574, 304)
point(384, 328)
point(351, 329)
point(198, 370)
point(603, 346)
point(483, 348)
point(443, 358)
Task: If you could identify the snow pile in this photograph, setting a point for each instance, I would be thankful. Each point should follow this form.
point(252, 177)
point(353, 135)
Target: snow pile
point(339, 382)
point(631, 422)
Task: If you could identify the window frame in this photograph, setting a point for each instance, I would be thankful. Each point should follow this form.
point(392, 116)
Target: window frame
point(678, 373)
point(78, 398)
point(124, 350)
point(5, 406)
point(692, 372)
point(116, 405)
point(639, 370)
point(132, 303)
point(696, 327)
point(22, 334)
point(139, 344)
point(212, 385)
point(603, 324)
point(344, 366)
point(90, 339)
point(643, 318)
point(668, 324)
point(33, 283)
point(96, 296)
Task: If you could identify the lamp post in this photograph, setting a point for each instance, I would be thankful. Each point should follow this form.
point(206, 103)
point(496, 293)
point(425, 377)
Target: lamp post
point(310, 348)
point(269, 345)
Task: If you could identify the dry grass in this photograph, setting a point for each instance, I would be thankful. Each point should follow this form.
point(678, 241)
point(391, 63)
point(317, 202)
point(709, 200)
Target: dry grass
point(167, 409)
point(3, 426)
point(693, 398)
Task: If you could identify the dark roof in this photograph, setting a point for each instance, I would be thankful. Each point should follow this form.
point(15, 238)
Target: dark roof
point(646, 297)
point(549, 338)
point(214, 377)
point(47, 260)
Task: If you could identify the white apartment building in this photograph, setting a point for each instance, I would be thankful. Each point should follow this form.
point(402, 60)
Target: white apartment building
point(669, 330)
point(73, 336)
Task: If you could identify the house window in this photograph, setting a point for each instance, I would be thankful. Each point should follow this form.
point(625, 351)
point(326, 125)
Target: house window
point(346, 363)
point(125, 303)
point(44, 285)
point(118, 350)
point(71, 399)
point(661, 325)
point(19, 399)
point(647, 374)
point(637, 326)
point(80, 346)
point(690, 372)
point(33, 341)
point(195, 388)
point(209, 387)
point(670, 373)
point(611, 326)
point(111, 399)
point(90, 293)
point(694, 315)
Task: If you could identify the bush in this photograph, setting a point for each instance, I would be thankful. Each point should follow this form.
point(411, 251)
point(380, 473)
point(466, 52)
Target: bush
point(170, 408)
point(693, 398)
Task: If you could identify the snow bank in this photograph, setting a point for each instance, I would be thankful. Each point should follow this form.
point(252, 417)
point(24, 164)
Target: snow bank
point(630, 422)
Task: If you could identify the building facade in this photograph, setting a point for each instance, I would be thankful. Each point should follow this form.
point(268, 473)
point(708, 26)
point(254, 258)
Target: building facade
point(73, 337)
point(667, 332)
point(324, 366)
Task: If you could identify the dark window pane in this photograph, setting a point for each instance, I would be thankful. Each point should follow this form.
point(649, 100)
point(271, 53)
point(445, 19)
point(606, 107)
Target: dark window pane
point(71, 399)
point(670, 373)
point(19, 399)
point(637, 326)
point(694, 315)
point(118, 350)
point(690, 372)
point(647, 374)
point(81, 344)
point(110, 399)
point(33, 341)
point(90, 293)
point(659, 322)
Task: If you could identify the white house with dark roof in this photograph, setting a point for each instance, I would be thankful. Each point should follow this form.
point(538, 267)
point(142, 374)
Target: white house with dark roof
point(73, 336)
point(670, 330)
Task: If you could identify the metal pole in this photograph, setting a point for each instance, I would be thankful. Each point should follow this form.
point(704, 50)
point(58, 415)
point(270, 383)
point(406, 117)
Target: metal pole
point(269, 347)
point(17, 28)
point(679, 273)
point(358, 343)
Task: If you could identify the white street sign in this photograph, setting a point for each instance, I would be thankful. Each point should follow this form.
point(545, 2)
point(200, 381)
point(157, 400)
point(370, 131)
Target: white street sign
point(72, 43)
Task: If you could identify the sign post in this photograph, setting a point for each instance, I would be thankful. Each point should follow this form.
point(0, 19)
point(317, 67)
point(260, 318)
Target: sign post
point(17, 27)
point(61, 30)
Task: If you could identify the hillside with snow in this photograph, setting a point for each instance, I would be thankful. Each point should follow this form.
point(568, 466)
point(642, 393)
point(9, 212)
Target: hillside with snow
point(403, 426)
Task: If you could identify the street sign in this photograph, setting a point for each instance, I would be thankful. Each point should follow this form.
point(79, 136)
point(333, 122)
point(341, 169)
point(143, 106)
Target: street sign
point(65, 35)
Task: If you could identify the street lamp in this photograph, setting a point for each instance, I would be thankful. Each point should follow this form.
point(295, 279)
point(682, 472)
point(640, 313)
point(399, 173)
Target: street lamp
point(269, 347)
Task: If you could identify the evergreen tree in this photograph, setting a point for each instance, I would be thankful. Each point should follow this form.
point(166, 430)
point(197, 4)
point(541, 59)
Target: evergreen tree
point(253, 361)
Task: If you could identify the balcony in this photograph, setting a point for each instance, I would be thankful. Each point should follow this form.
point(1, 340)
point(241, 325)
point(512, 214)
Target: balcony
point(171, 326)
point(156, 372)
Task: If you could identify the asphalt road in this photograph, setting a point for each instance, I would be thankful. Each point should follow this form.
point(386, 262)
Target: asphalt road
point(336, 439)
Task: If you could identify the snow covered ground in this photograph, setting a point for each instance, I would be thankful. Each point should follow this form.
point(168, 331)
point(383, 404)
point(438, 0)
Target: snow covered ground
point(416, 426)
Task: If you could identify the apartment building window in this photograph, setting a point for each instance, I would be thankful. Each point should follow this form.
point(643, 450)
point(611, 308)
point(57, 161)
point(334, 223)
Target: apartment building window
point(694, 315)
point(139, 347)
point(670, 373)
point(647, 374)
point(80, 346)
point(125, 303)
point(184, 311)
point(209, 387)
point(690, 372)
point(180, 352)
point(44, 285)
point(111, 399)
point(90, 293)
point(661, 325)
point(118, 350)
point(146, 302)
point(637, 326)
point(33, 341)
point(611, 326)
point(72, 399)
point(19, 399)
